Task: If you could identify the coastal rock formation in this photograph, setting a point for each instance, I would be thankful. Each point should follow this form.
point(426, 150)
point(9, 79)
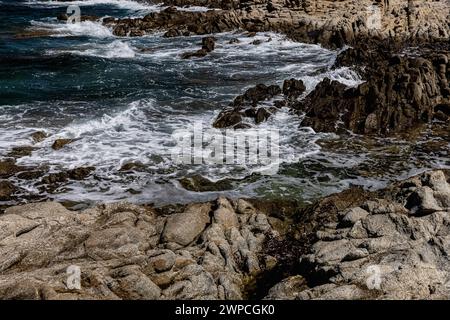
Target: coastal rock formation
point(206, 251)
point(392, 245)
point(353, 245)
point(331, 23)
point(208, 45)
point(403, 90)
point(256, 104)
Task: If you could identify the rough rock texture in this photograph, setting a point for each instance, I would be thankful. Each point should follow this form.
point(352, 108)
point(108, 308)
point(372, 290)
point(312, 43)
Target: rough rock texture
point(394, 245)
point(124, 251)
point(258, 104)
point(390, 244)
point(403, 90)
point(331, 23)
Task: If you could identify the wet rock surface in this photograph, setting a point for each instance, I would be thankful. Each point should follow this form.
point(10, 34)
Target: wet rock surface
point(254, 106)
point(198, 183)
point(208, 45)
point(61, 143)
point(403, 90)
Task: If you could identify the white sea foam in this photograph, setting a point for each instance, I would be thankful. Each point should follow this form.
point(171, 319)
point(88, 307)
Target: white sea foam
point(344, 75)
point(115, 49)
point(84, 28)
point(134, 8)
point(140, 131)
point(123, 4)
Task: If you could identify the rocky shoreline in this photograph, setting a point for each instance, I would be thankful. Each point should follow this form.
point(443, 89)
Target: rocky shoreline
point(237, 249)
point(387, 244)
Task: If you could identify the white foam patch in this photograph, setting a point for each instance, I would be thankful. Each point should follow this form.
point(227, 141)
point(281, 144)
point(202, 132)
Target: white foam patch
point(115, 49)
point(123, 4)
point(343, 75)
point(135, 9)
point(84, 28)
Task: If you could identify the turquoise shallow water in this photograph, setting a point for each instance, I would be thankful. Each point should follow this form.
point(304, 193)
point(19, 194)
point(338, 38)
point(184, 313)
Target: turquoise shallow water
point(122, 98)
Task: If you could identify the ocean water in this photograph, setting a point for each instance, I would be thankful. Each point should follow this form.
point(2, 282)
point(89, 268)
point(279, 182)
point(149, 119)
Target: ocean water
point(123, 98)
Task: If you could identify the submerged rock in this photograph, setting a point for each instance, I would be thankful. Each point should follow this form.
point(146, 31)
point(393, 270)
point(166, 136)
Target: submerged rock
point(8, 168)
point(246, 106)
point(39, 136)
point(208, 45)
point(19, 152)
point(7, 189)
point(73, 174)
point(61, 143)
point(198, 183)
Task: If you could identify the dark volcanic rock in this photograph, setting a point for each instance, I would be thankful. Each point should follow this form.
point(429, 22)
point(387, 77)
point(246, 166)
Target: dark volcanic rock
point(293, 88)
point(246, 106)
point(227, 119)
point(208, 43)
point(401, 93)
point(172, 32)
point(257, 94)
point(197, 54)
point(65, 17)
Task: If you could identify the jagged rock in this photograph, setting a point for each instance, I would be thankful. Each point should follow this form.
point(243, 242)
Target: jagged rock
point(74, 174)
point(293, 88)
point(384, 251)
point(245, 106)
point(331, 25)
point(257, 94)
point(208, 43)
point(122, 253)
point(401, 93)
point(65, 17)
point(172, 33)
